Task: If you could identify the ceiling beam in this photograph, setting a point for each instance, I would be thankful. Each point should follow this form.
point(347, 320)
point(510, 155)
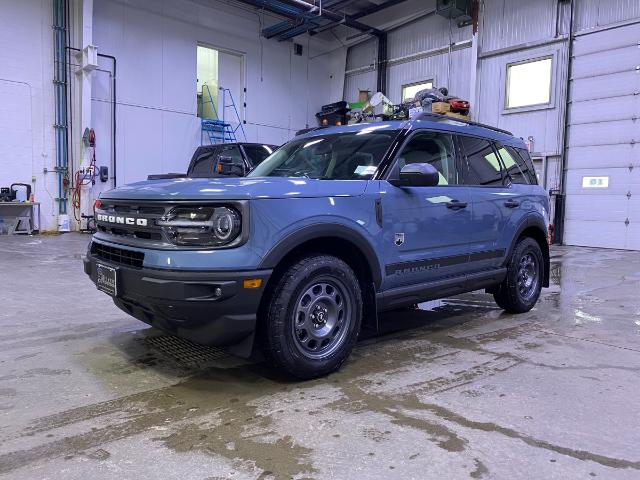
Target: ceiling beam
point(363, 13)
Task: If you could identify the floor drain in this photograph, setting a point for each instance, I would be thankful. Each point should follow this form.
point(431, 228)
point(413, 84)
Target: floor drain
point(184, 351)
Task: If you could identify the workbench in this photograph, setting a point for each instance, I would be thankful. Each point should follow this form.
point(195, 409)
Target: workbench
point(20, 216)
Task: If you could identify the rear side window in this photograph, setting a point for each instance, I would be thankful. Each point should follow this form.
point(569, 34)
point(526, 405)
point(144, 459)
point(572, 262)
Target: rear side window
point(528, 163)
point(513, 164)
point(482, 165)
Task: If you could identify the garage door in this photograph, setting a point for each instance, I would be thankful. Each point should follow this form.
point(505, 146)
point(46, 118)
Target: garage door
point(603, 160)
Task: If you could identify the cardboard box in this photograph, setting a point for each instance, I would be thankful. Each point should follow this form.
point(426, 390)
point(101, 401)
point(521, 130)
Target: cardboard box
point(363, 96)
point(440, 107)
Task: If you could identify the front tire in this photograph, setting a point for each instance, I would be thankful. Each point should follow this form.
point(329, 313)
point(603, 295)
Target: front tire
point(520, 290)
point(313, 317)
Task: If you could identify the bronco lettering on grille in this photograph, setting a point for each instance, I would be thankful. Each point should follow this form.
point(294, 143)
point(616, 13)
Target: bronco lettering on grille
point(140, 222)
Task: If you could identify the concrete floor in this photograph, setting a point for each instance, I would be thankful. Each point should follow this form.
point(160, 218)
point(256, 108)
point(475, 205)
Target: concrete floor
point(462, 391)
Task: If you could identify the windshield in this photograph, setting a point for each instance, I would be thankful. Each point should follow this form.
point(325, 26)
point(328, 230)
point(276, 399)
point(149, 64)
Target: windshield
point(340, 156)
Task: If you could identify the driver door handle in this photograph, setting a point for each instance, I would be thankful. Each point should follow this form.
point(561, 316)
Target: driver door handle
point(456, 205)
point(511, 204)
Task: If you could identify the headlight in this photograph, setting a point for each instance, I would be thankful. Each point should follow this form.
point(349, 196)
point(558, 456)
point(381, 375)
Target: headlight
point(201, 226)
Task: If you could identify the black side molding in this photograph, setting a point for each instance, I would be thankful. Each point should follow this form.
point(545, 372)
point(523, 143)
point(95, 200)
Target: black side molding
point(412, 294)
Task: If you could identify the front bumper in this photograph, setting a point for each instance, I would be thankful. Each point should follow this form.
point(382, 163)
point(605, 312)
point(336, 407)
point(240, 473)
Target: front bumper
point(183, 303)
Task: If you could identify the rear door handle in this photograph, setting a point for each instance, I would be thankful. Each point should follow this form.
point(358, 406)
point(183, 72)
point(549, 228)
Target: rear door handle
point(456, 205)
point(511, 204)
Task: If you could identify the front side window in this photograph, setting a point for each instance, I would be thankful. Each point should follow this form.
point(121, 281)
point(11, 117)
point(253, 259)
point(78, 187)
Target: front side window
point(433, 148)
point(257, 153)
point(529, 83)
point(340, 156)
point(203, 164)
point(482, 166)
point(409, 91)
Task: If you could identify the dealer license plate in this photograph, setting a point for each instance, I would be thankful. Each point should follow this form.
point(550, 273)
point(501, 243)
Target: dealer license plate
point(106, 279)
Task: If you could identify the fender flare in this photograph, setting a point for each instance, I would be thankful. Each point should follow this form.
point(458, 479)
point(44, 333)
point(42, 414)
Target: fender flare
point(320, 230)
point(537, 222)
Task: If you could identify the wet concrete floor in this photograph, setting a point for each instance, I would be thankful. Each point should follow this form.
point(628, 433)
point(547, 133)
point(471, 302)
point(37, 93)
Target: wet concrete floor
point(457, 390)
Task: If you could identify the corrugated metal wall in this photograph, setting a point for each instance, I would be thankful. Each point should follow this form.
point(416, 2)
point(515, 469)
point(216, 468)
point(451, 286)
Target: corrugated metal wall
point(362, 55)
point(417, 51)
point(598, 13)
point(514, 22)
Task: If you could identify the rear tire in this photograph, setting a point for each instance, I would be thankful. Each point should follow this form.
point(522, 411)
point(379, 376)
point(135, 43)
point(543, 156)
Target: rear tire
point(313, 317)
point(520, 290)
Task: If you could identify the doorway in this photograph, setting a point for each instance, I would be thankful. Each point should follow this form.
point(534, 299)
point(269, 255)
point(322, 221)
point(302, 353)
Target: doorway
point(220, 84)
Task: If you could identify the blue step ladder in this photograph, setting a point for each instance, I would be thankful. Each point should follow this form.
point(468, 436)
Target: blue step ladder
point(220, 130)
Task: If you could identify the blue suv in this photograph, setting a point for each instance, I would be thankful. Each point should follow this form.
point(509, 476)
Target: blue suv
point(335, 226)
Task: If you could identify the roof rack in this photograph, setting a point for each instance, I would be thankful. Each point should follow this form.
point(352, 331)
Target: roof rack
point(439, 116)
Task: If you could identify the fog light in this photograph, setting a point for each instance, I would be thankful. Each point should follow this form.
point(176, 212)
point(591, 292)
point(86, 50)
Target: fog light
point(252, 283)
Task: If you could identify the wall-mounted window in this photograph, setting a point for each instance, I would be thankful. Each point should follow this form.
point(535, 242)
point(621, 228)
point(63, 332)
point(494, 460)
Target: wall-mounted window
point(409, 91)
point(529, 83)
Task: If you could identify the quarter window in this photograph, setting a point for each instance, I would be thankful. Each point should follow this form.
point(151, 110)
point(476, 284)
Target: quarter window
point(482, 166)
point(530, 169)
point(435, 149)
point(513, 164)
point(529, 83)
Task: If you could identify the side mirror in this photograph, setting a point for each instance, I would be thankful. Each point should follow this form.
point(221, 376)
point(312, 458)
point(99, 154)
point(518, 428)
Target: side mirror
point(418, 175)
point(227, 168)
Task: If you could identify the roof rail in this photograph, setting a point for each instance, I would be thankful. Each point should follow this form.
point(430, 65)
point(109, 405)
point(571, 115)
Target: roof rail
point(439, 116)
point(311, 129)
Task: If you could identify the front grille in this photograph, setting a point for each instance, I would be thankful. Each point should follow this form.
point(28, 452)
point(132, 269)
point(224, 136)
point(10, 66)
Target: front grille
point(117, 255)
point(121, 211)
point(135, 209)
point(122, 232)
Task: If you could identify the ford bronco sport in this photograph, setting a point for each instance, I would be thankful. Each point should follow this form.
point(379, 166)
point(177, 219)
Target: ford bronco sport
point(335, 226)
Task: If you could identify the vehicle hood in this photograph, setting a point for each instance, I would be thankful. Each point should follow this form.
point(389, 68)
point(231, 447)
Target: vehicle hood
point(235, 189)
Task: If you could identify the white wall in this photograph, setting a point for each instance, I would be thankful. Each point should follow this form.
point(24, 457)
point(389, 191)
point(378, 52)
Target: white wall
point(26, 100)
point(155, 45)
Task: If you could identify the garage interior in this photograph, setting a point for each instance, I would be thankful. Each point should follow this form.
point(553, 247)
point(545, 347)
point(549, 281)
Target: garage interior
point(96, 94)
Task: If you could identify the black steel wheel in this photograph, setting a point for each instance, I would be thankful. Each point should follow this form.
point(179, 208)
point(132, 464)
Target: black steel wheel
point(528, 276)
point(520, 290)
point(313, 317)
point(322, 318)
